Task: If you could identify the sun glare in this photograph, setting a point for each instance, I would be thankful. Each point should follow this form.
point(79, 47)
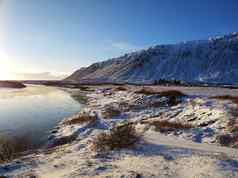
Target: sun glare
point(5, 75)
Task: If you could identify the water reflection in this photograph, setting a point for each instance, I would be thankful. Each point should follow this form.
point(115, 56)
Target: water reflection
point(34, 110)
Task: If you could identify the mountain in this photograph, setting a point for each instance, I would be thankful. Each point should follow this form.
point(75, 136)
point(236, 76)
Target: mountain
point(213, 61)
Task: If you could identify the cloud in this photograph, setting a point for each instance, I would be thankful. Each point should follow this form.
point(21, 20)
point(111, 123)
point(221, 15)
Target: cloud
point(41, 76)
point(125, 46)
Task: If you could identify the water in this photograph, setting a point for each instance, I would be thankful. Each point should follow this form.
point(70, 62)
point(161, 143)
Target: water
point(34, 110)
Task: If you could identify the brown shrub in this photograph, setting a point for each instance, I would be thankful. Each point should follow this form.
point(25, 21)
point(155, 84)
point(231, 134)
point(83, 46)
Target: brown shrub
point(234, 99)
point(164, 125)
point(119, 137)
point(110, 112)
point(11, 147)
point(225, 139)
point(120, 88)
point(174, 96)
point(81, 118)
point(228, 140)
point(146, 91)
point(171, 93)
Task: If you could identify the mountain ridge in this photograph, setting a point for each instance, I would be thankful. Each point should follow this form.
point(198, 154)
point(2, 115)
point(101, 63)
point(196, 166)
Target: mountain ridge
point(214, 61)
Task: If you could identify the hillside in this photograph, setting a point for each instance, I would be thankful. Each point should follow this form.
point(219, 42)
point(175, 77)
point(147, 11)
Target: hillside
point(214, 61)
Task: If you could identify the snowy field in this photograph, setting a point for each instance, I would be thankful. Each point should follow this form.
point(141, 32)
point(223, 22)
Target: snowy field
point(203, 144)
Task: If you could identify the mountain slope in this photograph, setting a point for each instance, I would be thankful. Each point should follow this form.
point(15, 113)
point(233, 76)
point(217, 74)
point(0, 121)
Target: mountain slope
point(214, 61)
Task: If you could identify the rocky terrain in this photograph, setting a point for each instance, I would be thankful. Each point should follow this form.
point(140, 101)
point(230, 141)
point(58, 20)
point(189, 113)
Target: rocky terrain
point(183, 132)
point(207, 61)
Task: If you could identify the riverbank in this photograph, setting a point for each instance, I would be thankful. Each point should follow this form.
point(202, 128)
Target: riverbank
point(182, 133)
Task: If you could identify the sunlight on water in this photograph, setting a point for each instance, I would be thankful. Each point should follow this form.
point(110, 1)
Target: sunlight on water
point(34, 110)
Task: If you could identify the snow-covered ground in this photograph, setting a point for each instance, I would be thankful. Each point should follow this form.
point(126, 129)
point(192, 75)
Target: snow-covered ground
point(182, 153)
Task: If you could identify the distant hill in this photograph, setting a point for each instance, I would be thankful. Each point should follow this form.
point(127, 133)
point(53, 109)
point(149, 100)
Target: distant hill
point(213, 61)
point(11, 84)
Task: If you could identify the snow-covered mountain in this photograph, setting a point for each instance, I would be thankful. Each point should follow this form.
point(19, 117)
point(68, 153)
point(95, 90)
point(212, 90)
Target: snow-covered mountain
point(214, 60)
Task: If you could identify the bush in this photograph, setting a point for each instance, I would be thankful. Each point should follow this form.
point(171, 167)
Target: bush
point(168, 93)
point(119, 137)
point(120, 88)
point(225, 139)
point(11, 147)
point(165, 126)
point(171, 93)
point(146, 91)
point(81, 118)
point(110, 112)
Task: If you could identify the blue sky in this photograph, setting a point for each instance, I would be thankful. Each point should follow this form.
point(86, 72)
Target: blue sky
point(60, 36)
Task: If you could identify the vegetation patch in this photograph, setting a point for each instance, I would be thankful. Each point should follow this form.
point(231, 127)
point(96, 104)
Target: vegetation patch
point(228, 140)
point(81, 118)
point(119, 137)
point(146, 91)
point(12, 147)
point(171, 93)
point(168, 93)
point(110, 112)
point(234, 99)
point(165, 126)
point(121, 88)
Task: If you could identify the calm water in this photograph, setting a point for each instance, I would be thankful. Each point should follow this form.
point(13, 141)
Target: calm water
point(34, 110)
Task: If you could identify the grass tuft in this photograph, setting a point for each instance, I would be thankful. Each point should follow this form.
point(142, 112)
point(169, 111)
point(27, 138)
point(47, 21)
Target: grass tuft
point(81, 118)
point(121, 88)
point(146, 91)
point(165, 126)
point(234, 99)
point(12, 147)
point(110, 112)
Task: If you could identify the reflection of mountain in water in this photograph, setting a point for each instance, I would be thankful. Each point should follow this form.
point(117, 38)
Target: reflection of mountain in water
point(30, 90)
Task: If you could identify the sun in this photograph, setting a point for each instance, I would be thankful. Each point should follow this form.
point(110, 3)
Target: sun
point(5, 74)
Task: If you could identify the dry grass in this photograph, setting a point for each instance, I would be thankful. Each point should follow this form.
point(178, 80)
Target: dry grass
point(171, 93)
point(168, 93)
point(110, 112)
point(81, 118)
point(228, 140)
point(119, 137)
point(120, 88)
point(12, 147)
point(146, 91)
point(234, 99)
point(165, 126)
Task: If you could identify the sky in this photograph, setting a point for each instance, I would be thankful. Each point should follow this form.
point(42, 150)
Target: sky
point(49, 39)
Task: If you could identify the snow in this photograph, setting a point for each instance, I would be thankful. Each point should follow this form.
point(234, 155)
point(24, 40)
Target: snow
point(180, 153)
point(212, 61)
